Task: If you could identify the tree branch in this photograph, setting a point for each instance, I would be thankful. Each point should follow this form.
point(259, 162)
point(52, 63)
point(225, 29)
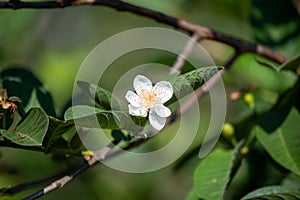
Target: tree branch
point(198, 31)
point(66, 177)
point(181, 58)
point(237, 43)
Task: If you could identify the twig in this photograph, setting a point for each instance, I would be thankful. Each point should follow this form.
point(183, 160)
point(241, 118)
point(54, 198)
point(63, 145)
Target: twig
point(208, 85)
point(184, 53)
point(182, 24)
point(67, 177)
point(23, 186)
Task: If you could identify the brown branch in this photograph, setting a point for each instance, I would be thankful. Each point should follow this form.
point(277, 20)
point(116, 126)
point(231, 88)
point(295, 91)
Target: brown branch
point(181, 58)
point(237, 43)
point(198, 31)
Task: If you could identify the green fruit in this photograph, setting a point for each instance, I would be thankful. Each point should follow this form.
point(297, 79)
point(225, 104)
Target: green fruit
point(249, 99)
point(228, 130)
point(244, 150)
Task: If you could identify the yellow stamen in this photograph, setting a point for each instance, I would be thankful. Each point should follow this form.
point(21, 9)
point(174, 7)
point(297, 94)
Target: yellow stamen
point(149, 98)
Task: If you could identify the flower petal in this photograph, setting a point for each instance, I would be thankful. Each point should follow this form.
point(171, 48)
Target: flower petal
point(133, 98)
point(164, 90)
point(16, 99)
point(141, 83)
point(161, 110)
point(137, 111)
point(156, 121)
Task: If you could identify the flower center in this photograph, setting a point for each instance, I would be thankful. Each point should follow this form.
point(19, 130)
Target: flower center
point(149, 98)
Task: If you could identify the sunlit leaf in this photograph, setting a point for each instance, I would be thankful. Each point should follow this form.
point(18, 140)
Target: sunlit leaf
point(283, 144)
point(31, 131)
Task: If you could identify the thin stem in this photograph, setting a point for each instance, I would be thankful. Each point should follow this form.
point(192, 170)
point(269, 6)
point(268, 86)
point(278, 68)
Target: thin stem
point(207, 86)
point(100, 155)
point(177, 66)
point(4, 112)
point(23, 186)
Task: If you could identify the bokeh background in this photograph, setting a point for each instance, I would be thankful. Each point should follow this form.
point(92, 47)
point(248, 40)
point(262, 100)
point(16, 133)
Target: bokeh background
point(53, 43)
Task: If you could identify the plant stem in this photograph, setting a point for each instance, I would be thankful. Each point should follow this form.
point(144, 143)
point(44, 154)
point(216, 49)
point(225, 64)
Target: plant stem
point(4, 112)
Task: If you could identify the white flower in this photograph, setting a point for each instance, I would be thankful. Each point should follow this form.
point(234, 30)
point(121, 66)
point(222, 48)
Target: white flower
point(150, 99)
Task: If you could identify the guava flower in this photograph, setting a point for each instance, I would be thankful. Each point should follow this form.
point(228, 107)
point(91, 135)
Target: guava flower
point(8, 103)
point(150, 99)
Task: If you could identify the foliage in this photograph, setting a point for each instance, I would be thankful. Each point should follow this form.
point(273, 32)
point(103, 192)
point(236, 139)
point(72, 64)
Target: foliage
point(35, 128)
point(256, 157)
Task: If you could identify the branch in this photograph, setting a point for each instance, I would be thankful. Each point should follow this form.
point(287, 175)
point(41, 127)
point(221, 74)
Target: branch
point(23, 186)
point(237, 43)
point(181, 58)
point(100, 155)
point(198, 31)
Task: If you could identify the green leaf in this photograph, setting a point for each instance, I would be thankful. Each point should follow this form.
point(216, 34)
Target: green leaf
point(31, 131)
point(274, 25)
point(212, 175)
point(33, 102)
point(18, 73)
point(275, 117)
point(55, 130)
point(76, 143)
point(266, 62)
point(292, 182)
point(103, 98)
point(279, 196)
point(81, 111)
point(190, 81)
point(292, 64)
point(265, 191)
point(192, 196)
point(90, 117)
point(22, 83)
point(87, 116)
point(283, 144)
point(118, 135)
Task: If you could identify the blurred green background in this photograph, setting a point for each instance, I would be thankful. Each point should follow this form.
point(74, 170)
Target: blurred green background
point(53, 43)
